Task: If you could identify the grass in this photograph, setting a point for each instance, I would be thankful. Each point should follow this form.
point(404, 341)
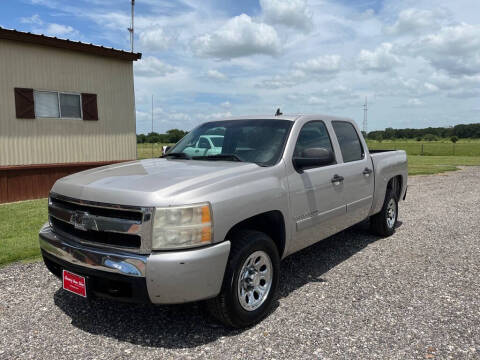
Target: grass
point(147, 151)
point(423, 165)
point(429, 148)
point(19, 225)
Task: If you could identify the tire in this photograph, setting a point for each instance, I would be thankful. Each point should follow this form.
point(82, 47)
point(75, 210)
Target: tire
point(383, 223)
point(230, 307)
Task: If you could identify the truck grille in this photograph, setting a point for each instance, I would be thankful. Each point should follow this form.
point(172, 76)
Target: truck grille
point(102, 225)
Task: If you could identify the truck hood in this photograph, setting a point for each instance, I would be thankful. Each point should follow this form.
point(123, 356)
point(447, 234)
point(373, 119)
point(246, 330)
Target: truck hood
point(152, 182)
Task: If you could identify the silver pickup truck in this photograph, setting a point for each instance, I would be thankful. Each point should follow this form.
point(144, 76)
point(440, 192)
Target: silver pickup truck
point(215, 226)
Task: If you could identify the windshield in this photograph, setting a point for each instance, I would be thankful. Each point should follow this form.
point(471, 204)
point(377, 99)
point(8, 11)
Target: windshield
point(258, 141)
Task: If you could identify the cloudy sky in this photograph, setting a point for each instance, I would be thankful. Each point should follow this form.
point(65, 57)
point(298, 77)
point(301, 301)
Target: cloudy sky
point(418, 61)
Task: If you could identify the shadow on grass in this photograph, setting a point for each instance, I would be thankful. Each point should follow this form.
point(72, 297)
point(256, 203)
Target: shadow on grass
point(186, 326)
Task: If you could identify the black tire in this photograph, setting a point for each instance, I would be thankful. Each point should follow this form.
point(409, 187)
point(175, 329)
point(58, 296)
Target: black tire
point(226, 307)
point(379, 223)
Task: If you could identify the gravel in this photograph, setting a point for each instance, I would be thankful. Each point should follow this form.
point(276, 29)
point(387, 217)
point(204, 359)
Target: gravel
point(413, 295)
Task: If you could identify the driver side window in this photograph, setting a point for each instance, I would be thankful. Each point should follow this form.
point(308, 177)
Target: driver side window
point(313, 135)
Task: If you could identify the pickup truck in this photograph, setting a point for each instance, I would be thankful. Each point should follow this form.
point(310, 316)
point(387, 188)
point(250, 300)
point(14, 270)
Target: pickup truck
point(205, 145)
point(185, 228)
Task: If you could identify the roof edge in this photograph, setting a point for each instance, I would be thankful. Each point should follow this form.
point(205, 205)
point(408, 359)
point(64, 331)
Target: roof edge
point(28, 37)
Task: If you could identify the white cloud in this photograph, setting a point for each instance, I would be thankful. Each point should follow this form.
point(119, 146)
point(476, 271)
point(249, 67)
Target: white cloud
point(59, 30)
point(49, 29)
point(325, 64)
point(34, 19)
point(414, 102)
point(154, 40)
point(430, 87)
point(226, 104)
point(454, 49)
point(216, 75)
point(214, 116)
point(315, 100)
point(151, 66)
point(414, 21)
point(291, 13)
point(283, 81)
point(179, 116)
point(381, 59)
point(240, 36)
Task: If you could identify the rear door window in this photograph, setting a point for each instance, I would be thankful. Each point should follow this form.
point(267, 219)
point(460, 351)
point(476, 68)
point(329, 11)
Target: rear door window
point(348, 140)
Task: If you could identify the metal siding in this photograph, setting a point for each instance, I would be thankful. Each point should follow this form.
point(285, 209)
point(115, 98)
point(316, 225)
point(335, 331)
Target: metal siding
point(46, 141)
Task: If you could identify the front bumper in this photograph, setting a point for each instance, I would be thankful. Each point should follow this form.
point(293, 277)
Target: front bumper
point(161, 278)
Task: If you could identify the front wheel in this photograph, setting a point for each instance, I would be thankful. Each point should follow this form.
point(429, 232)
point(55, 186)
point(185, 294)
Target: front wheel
point(250, 282)
point(383, 223)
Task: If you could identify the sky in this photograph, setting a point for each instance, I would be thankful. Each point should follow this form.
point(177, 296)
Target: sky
point(417, 61)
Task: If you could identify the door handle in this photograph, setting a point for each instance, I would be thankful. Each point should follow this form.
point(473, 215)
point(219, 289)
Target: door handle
point(367, 171)
point(337, 179)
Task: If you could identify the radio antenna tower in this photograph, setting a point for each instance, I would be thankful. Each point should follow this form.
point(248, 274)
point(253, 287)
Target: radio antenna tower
point(365, 120)
point(130, 29)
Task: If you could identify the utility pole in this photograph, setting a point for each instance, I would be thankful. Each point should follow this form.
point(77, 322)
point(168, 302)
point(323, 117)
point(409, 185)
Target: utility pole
point(130, 29)
point(152, 125)
point(365, 121)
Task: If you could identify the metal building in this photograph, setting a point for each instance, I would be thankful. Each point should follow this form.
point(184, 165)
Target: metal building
point(65, 106)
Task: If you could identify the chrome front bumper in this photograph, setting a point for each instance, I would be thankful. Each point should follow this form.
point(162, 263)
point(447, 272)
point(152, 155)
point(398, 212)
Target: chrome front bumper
point(171, 277)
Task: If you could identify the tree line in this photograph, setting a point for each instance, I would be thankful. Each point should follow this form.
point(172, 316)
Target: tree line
point(171, 136)
point(462, 131)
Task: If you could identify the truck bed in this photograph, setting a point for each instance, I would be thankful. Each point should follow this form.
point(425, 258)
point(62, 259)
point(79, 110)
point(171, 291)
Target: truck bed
point(386, 165)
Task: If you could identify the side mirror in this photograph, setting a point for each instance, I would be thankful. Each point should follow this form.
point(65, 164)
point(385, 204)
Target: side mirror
point(166, 149)
point(313, 157)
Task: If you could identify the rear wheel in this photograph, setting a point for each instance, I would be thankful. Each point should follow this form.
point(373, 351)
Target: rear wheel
point(250, 280)
point(383, 223)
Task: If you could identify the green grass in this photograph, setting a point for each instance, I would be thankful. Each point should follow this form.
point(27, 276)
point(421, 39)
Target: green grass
point(422, 165)
point(19, 225)
point(147, 151)
point(429, 148)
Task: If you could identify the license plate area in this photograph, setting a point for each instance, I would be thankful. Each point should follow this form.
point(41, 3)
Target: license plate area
point(74, 283)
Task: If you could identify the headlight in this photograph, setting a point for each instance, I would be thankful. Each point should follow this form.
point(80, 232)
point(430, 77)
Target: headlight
point(182, 226)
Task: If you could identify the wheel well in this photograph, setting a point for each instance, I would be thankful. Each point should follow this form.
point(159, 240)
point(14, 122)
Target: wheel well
point(271, 223)
point(395, 184)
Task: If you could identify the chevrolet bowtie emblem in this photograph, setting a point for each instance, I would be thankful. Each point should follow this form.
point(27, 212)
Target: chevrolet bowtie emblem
point(83, 221)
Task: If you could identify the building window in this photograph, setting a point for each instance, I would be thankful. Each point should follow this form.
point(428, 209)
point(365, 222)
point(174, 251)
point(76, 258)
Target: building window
point(52, 104)
point(70, 106)
point(46, 104)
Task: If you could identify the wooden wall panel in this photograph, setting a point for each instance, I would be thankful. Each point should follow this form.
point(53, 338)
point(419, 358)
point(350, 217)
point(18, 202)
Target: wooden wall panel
point(3, 187)
point(19, 183)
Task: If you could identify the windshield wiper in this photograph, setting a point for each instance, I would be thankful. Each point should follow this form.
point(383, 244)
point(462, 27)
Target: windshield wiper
point(177, 156)
point(231, 157)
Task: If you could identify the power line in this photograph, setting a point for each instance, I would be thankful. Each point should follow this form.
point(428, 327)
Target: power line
point(365, 119)
point(152, 125)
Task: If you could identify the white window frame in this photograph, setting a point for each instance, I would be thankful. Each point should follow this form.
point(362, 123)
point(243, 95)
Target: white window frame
point(59, 107)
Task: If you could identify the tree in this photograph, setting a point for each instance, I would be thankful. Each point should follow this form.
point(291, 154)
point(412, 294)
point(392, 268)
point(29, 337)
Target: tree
point(454, 139)
point(389, 133)
point(174, 135)
point(429, 137)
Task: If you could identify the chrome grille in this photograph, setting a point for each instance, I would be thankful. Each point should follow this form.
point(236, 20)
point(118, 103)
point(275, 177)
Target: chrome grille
point(103, 225)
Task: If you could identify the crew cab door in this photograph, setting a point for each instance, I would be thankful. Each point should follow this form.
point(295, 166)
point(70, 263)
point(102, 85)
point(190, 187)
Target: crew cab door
point(356, 170)
point(317, 204)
